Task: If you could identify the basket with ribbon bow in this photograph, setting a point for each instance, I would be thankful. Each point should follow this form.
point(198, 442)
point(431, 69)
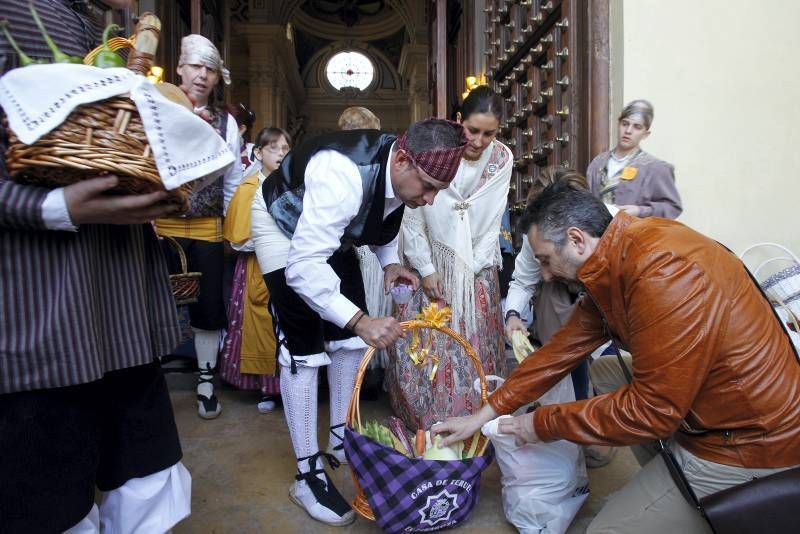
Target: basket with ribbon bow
point(399, 489)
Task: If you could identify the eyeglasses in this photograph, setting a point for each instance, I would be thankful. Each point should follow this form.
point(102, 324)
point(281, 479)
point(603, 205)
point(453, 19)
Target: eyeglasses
point(274, 148)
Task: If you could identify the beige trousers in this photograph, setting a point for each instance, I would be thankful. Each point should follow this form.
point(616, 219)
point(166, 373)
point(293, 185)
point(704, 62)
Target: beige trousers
point(651, 502)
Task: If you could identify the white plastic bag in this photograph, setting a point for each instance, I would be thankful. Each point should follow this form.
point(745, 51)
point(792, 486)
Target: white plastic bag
point(544, 484)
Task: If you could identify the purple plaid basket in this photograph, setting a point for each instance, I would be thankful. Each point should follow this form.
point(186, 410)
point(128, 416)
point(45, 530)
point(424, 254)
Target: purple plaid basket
point(414, 495)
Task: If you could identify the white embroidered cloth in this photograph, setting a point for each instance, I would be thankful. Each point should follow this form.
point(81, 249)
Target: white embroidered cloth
point(38, 98)
point(458, 236)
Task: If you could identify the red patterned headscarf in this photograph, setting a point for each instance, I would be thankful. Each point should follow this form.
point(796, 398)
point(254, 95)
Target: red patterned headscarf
point(441, 163)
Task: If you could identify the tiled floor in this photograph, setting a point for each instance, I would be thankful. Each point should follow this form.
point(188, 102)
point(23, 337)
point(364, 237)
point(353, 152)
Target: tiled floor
point(242, 464)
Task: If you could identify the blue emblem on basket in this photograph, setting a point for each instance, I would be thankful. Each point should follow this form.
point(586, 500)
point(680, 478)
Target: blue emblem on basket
point(438, 508)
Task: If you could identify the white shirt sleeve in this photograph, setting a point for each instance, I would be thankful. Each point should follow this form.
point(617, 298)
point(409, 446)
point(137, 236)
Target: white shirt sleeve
point(55, 213)
point(270, 243)
point(527, 273)
point(332, 199)
point(387, 254)
point(234, 175)
point(416, 247)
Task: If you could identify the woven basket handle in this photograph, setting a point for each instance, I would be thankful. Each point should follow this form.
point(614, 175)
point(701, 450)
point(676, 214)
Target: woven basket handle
point(354, 410)
point(181, 253)
point(115, 44)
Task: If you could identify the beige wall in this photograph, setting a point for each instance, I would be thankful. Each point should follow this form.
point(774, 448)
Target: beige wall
point(724, 79)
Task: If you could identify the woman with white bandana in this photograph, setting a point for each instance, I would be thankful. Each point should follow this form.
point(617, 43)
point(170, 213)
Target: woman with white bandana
point(630, 178)
point(200, 231)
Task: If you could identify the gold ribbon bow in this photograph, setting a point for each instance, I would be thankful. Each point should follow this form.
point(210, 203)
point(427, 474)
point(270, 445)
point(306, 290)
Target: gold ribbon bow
point(423, 355)
point(439, 317)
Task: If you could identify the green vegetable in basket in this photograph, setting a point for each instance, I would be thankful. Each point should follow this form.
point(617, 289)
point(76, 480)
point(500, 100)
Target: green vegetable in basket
point(24, 59)
point(58, 55)
point(378, 432)
point(107, 58)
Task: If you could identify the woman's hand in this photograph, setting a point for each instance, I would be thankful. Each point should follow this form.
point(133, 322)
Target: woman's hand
point(395, 272)
point(460, 428)
point(433, 287)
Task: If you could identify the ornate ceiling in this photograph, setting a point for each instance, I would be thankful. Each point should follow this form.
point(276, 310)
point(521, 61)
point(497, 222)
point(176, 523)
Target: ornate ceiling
point(354, 17)
point(349, 12)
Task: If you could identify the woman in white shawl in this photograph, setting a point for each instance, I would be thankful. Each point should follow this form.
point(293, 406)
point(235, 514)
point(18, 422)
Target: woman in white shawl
point(454, 245)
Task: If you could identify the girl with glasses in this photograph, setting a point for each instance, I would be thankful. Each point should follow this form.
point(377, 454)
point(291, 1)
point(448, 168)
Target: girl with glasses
point(248, 357)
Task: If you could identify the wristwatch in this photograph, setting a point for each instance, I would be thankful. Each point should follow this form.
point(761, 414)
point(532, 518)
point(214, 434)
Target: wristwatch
point(512, 313)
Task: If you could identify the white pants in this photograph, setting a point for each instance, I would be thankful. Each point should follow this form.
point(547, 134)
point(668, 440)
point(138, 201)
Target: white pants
point(147, 505)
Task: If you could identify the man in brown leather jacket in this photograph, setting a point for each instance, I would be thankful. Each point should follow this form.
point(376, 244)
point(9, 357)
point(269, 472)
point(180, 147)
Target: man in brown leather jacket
point(706, 350)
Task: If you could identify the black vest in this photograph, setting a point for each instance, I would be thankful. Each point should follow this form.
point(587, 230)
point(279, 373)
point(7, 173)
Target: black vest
point(369, 149)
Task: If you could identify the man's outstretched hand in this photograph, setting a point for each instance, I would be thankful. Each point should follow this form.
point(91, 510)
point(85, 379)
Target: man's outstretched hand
point(378, 332)
point(521, 427)
point(457, 429)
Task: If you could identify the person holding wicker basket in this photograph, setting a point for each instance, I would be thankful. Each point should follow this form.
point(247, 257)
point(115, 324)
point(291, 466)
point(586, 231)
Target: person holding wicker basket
point(199, 232)
point(332, 193)
point(85, 311)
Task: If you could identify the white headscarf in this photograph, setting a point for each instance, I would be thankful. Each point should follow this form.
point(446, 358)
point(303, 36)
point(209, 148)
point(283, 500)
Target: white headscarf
point(197, 50)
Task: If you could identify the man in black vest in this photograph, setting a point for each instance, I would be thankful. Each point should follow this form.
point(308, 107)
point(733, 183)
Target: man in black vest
point(331, 194)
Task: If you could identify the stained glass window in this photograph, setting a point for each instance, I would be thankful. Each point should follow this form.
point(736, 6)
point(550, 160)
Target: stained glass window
point(350, 69)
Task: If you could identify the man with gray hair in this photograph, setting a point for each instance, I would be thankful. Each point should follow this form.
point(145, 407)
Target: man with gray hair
point(711, 367)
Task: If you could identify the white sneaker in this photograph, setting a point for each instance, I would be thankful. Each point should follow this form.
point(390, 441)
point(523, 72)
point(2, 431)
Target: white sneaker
point(266, 405)
point(302, 495)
